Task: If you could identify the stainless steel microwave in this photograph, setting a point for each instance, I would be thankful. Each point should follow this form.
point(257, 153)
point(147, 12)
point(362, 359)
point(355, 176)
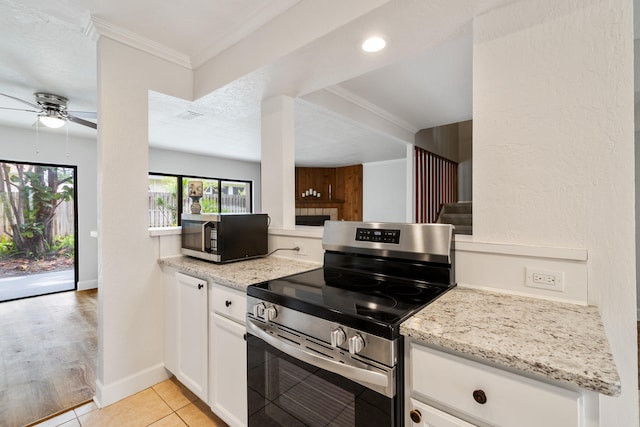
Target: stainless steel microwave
point(224, 237)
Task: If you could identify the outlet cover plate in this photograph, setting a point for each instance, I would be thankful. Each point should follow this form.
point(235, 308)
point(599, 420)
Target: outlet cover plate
point(544, 279)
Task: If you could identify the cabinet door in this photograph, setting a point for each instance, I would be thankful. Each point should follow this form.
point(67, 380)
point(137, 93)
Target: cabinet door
point(192, 334)
point(170, 320)
point(228, 386)
point(428, 416)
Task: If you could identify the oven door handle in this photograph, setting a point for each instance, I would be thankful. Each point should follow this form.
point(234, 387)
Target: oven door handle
point(360, 375)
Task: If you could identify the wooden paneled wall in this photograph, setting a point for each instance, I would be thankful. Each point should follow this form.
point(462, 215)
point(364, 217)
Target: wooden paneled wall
point(339, 188)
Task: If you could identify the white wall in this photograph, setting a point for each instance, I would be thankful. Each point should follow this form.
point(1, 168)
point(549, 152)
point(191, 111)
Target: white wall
point(20, 145)
point(637, 233)
point(465, 161)
point(130, 336)
point(384, 191)
point(553, 152)
point(173, 162)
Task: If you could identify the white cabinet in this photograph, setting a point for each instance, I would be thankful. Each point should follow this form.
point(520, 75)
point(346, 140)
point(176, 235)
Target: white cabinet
point(228, 355)
point(186, 351)
point(426, 416)
point(478, 393)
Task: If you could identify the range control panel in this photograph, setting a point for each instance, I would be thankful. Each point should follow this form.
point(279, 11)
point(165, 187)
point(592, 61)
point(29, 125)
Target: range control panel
point(378, 235)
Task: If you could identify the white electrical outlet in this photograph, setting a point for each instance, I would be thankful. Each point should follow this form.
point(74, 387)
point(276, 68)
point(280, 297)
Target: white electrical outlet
point(544, 279)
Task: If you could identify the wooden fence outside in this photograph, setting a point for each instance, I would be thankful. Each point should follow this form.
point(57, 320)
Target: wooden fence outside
point(63, 221)
point(163, 210)
point(234, 204)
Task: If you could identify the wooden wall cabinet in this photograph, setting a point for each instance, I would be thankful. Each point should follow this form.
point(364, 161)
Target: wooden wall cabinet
point(339, 188)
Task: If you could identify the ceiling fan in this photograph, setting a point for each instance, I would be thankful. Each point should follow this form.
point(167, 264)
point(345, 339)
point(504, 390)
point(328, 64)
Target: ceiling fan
point(52, 110)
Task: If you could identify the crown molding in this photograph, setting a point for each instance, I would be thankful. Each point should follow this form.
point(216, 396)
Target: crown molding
point(89, 29)
point(107, 29)
point(372, 108)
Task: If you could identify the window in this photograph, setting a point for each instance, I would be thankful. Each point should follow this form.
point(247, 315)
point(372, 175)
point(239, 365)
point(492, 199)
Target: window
point(168, 197)
point(163, 201)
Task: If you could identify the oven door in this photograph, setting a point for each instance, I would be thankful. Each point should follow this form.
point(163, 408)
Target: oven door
point(282, 390)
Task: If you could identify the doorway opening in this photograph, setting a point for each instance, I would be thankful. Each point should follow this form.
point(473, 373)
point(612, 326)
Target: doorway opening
point(38, 229)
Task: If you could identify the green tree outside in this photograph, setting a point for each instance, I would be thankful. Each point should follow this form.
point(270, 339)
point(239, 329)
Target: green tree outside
point(31, 208)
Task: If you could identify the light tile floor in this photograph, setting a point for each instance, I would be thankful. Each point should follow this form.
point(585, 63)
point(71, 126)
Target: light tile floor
point(166, 404)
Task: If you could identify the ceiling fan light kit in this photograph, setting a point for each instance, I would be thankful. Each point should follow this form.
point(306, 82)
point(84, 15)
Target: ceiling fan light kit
point(51, 120)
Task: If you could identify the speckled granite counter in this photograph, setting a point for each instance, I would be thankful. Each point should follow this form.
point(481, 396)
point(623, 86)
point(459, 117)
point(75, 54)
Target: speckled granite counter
point(239, 274)
point(564, 342)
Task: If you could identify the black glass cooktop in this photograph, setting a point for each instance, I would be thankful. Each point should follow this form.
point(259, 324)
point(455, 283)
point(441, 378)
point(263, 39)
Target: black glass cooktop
point(372, 303)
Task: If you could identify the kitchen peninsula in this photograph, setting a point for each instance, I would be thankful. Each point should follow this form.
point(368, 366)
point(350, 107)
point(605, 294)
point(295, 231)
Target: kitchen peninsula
point(536, 342)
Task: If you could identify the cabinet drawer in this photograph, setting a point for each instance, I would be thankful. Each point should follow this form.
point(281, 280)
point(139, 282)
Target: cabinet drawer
point(229, 302)
point(432, 417)
point(511, 400)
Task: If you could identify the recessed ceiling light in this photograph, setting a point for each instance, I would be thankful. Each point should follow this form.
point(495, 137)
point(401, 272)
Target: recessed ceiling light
point(374, 44)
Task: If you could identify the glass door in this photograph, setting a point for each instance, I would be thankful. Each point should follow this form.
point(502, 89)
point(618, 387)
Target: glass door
point(38, 229)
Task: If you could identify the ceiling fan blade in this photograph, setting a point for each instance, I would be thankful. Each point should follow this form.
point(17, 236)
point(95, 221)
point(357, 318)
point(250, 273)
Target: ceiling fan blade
point(80, 121)
point(84, 114)
point(19, 109)
point(23, 101)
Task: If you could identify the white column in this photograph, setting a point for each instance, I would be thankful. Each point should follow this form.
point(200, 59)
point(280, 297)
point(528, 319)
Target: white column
point(278, 161)
point(130, 310)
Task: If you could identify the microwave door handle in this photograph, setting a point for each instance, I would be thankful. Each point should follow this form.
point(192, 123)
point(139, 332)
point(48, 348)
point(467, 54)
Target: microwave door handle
point(202, 234)
point(354, 373)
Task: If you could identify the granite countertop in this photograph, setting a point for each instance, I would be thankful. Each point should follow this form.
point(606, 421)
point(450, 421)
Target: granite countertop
point(239, 274)
point(561, 341)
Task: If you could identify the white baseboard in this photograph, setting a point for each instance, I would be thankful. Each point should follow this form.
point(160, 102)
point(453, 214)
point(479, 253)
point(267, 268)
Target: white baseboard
point(111, 393)
point(87, 284)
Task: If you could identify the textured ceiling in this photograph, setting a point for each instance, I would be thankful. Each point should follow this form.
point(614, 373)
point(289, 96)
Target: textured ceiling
point(47, 47)
point(43, 48)
point(197, 28)
point(425, 90)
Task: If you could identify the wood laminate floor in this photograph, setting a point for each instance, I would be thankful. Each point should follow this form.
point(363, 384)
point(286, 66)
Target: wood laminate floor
point(48, 350)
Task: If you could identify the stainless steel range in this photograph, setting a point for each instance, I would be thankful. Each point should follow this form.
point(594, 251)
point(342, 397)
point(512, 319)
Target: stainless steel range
point(324, 347)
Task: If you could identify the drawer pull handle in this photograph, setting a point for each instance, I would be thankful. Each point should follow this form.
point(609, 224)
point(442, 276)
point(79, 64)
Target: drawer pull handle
point(200, 286)
point(227, 303)
point(416, 416)
point(480, 397)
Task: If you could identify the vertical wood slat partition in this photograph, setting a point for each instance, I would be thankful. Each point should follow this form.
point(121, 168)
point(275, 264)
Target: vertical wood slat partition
point(436, 183)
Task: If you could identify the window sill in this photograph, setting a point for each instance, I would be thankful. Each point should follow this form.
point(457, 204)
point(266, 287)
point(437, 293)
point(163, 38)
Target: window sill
point(164, 231)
